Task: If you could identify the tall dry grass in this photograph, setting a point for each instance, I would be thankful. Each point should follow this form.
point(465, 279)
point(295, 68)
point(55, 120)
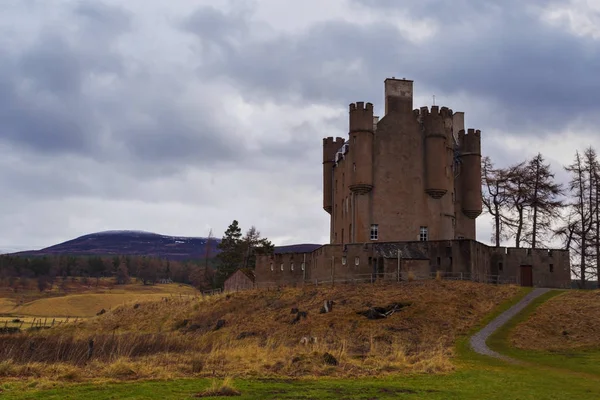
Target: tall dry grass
point(179, 337)
point(568, 321)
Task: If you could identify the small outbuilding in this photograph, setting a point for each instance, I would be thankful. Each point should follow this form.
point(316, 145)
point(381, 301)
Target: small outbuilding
point(242, 279)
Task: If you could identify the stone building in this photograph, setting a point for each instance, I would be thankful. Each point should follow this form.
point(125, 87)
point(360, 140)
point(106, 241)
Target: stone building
point(403, 193)
point(242, 279)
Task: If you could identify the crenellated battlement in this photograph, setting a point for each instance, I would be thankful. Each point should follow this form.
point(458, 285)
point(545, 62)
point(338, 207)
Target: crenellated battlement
point(329, 141)
point(360, 105)
point(443, 111)
point(470, 142)
point(361, 117)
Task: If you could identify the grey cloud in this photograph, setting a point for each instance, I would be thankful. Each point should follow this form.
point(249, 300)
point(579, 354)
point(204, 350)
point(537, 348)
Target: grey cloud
point(313, 67)
point(539, 76)
point(49, 104)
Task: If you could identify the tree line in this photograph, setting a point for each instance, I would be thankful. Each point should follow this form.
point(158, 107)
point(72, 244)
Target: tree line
point(18, 271)
point(236, 251)
point(531, 208)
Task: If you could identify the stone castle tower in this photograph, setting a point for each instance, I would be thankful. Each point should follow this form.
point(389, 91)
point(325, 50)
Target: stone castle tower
point(411, 175)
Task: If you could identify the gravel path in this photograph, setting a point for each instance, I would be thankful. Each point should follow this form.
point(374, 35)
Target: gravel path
point(478, 340)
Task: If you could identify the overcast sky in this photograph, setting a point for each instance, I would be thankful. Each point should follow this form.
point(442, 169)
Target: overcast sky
point(179, 116)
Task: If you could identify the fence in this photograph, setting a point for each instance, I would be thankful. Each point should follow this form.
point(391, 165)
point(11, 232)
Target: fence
point(393, 277)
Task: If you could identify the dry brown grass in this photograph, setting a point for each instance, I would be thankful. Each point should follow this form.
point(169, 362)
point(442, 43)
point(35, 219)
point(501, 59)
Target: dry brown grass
point(177, 337)
point(86, 301)
point(568, 321)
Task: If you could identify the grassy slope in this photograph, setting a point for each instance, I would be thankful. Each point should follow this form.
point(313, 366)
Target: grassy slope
point(545, 312)
point(477, 377)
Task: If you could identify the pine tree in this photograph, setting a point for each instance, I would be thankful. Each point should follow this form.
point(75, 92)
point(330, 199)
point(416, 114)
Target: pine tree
point(231, 256)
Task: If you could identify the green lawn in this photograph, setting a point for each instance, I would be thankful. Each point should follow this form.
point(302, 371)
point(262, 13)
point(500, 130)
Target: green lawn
point(476, 377)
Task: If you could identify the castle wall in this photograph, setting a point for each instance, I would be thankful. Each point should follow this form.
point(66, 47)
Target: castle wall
point(283, 268)
point(551, 268)
point(360, 261)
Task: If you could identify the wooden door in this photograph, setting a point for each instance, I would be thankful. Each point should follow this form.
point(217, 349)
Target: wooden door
point(526, 275)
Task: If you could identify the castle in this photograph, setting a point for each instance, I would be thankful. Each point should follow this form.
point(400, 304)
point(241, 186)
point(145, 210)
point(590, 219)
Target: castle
point(403, 193)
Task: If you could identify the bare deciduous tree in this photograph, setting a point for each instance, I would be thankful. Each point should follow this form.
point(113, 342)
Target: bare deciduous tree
point(544, 198)
point(495, 197)
point(518, 194)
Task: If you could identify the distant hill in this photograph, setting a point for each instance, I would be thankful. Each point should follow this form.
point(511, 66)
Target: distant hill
point(142, 243)
point(132, 243)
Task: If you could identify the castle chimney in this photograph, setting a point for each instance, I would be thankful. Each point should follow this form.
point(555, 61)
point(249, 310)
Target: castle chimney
point(398, 95)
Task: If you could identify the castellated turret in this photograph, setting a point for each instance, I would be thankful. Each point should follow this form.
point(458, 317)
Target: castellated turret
point(470, 154)
point(361, 143)
point(411, 175)
point(437, 131)
point(330, 148)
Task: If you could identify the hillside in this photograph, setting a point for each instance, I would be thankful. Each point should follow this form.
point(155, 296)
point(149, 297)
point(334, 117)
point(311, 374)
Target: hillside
point(132, 243)
point(266, 333)
point(569, 321)
point(139, 243)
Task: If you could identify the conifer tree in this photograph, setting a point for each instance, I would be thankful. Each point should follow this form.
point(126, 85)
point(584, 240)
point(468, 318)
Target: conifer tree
point(231, 256)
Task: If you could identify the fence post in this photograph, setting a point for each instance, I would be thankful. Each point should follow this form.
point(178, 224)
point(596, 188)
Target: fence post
point(398, 273)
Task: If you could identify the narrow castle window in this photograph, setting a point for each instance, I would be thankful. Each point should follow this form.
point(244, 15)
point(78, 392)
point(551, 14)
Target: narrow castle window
point(354, 167)
point(551, 267)
point(356, 260)
point(282, 266)
point(423, 234)
point(374, 232)
point(500, 266)
point(272, 267)
point(343, 260)
point(291, 266)
point(303, 266)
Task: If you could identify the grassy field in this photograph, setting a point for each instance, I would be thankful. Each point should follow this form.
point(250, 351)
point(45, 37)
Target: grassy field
point(471, 376)
point(84, 301)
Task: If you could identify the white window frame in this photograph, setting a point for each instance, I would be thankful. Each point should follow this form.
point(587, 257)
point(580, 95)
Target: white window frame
point(423, 234)
point(374, 233)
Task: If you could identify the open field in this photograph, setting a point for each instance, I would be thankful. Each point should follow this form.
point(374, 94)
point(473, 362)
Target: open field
point(474, 377)
point(254, 333)
point(465, 375)
point(84, 301)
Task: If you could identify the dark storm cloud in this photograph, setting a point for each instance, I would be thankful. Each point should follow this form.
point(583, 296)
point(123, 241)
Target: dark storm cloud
point(332, 62)
point(539, 76)
point(51, 100)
